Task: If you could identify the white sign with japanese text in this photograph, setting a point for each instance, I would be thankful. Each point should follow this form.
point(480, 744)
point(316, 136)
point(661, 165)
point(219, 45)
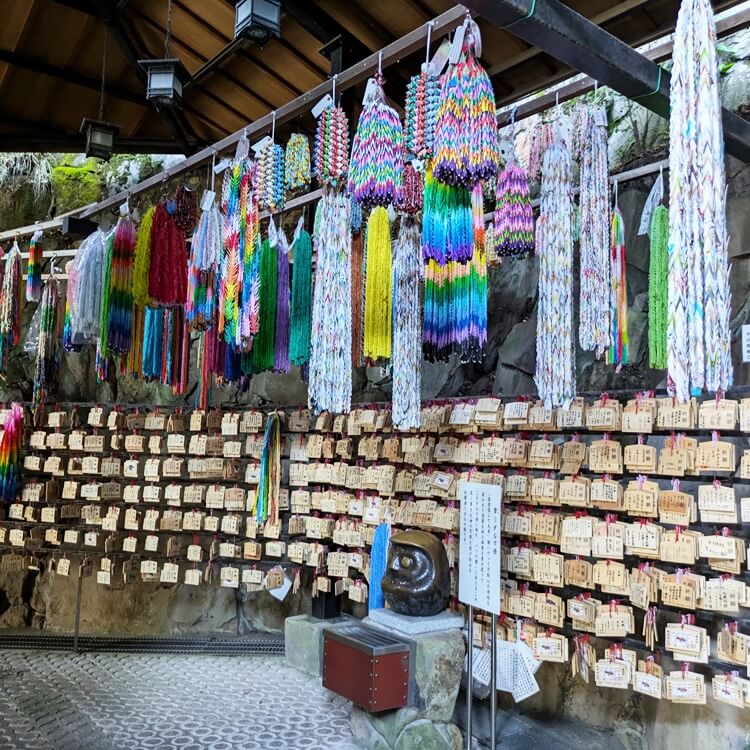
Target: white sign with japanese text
point(479, 560)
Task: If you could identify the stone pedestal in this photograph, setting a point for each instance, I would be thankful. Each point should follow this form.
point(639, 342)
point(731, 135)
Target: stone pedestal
point(303, 642)
point(437, 664)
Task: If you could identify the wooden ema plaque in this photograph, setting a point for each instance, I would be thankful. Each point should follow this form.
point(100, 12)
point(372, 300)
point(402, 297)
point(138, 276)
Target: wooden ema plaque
point(367, 666)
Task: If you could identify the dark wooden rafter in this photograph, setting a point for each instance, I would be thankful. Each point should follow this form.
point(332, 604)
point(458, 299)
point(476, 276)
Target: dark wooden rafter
point(27, 62)
point(311, 65)
point(576, 41)
point(26, 25)
point(324, 28)
point(178, 42)
point(43, 139)
point(605, 20)
point(331, 34)
point(83, 37)
point(571, 85)
point(131, 46)
point(90, 7)
point(231, 48)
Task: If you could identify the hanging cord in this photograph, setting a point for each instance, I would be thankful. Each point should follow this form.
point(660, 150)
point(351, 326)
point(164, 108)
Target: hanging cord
point(523, 18)
point(104, 72)
point(168, 37)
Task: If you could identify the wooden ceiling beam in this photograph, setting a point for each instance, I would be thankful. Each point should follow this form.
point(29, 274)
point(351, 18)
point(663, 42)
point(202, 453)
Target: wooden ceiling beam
point(576, 41)
point(177, 42)
point(83, 6)
point(24, 29)
point(45, 141)
point(389, 55)
point(26, 62)
point(600, 19)
point(240, 51)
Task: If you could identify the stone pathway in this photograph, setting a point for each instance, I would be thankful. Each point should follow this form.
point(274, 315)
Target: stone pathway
point(53, 700)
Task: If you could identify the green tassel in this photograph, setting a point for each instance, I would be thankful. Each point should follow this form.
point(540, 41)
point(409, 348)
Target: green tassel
point(299, 337)
point(263, 345)
point(105, 304)
point(657, 289)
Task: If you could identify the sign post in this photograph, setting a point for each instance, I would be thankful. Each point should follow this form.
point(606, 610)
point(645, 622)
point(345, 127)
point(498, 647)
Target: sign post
point(479, 583)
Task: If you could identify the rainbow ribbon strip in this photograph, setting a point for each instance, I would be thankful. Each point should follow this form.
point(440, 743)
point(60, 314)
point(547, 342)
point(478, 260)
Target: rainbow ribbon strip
point(617, 354)
point(376, 164)
point(10, 454)
point(513, 223)
point(34, 269)
point(120, 297)
point(234, 203)
point(466, 143)
point(332, 146)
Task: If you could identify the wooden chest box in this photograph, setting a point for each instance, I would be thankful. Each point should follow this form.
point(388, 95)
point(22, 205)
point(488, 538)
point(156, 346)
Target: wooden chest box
point(367, 666)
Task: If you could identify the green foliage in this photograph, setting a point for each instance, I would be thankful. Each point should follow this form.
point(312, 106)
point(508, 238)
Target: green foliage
point(75, 186)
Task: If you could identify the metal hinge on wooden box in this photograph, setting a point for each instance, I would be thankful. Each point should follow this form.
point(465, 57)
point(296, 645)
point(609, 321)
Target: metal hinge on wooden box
point(369, 667)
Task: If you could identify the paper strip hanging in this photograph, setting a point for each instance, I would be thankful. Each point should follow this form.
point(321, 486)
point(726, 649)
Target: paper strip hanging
point(378, 287)
point(555, 356)
point(376, 163)
point(407, 327)
point(330, 387)
point(698, 336)
point(594, 333)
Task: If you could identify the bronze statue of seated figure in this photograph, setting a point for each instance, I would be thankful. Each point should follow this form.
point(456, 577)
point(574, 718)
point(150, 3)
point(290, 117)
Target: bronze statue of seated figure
point(417, 578)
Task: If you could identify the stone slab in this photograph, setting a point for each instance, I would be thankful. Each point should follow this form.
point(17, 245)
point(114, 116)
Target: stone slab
point(303, 637)
point(390, 620)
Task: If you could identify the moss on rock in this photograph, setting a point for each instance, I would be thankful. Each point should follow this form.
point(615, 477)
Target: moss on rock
point(74, 186)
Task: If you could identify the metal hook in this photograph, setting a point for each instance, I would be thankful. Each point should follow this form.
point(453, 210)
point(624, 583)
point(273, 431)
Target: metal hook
point(273, 125)
point(429, 37)
point(333, 88)
point(380, 62)
point(213, 167)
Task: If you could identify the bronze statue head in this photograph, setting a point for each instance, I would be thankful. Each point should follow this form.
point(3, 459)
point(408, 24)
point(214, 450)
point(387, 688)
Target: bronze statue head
point(417, 577)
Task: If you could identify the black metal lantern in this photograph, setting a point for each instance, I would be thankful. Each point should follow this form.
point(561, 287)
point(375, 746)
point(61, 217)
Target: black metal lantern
point(257, 20)
point(166, 79)
point(100, 137)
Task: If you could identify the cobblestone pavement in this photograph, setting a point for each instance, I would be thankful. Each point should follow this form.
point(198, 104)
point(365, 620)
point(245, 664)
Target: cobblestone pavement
point(62, 701)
